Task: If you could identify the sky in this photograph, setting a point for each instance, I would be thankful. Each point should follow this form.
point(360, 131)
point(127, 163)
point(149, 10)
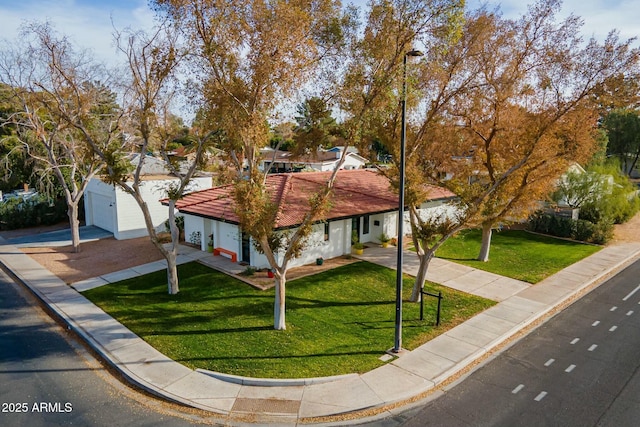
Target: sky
point(90, 23)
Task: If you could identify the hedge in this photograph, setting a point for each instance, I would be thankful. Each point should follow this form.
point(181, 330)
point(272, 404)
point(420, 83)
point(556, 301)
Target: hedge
point(580, 229)
point(17, 213)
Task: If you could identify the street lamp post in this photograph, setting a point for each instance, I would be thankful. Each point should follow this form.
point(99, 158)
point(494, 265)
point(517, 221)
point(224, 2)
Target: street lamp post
point(397, 347)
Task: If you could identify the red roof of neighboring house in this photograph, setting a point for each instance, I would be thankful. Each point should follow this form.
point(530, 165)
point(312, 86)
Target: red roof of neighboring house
point(356, 192)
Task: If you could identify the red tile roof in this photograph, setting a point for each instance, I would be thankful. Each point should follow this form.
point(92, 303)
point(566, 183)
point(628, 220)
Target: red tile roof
point(356, 192)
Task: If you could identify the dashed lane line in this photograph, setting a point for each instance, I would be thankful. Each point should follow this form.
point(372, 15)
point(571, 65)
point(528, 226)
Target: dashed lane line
point(630, 294)
point(540, 396)
point(517, 389)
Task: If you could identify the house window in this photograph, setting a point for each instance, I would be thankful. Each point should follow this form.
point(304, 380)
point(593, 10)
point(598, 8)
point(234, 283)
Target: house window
point(326, 231)
point(365, 225)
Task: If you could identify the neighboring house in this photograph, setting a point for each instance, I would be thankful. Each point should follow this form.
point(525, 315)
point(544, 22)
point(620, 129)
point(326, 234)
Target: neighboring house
point(600, 184)
point(25, 194)
point(152, 165)
point(322, 160)
point(363, 202)
point(110, 208)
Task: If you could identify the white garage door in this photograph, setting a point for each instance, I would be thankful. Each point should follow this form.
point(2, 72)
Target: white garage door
point(102, 212)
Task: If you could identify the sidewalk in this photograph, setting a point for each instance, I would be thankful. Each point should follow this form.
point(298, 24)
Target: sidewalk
point(378, 393)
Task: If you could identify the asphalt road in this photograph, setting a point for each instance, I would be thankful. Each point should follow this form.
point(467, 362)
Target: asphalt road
point(48, 379)
point(581, 368)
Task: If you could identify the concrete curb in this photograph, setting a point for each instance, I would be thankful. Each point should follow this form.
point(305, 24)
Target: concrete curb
point(268, 382)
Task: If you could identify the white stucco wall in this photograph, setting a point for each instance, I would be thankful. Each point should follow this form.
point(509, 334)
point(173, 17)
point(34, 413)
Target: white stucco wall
point(192, 226)
point(437, 208)
point(99, 205)
point(318, 247)
point(128, 221)
point(228, 236)
point(353, 162)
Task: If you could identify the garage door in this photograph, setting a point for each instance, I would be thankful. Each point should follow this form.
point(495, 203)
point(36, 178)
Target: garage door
point(102, 212)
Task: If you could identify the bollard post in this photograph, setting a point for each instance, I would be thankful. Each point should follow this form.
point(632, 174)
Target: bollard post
point(439, 296)
point(438, 315)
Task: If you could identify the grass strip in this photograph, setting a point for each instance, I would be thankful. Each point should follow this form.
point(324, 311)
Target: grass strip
point(339, 321)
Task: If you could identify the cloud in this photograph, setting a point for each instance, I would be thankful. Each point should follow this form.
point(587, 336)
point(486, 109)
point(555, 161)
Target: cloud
point(88, 24)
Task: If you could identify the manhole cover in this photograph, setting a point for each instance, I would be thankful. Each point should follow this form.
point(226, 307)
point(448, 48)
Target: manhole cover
point(271, 406)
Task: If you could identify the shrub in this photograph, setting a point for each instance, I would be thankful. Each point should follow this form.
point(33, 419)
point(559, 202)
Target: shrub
point(590, 212)
point(179, 223)
point(539, 222)
point(602, 233)
point(549, 224)
point(562, 227)
point(249, 271)
point(17, 213)
point(581, 229)
point(584, 230)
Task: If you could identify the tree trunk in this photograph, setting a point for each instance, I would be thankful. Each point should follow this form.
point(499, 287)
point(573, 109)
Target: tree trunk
point(633, 164)
point(172, 274)
point(421, 276)
point(279, 322)
point(486, 242)
point(171, 256)
point(74, 224)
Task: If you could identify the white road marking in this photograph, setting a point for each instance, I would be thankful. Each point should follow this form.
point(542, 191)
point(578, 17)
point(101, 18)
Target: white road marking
point(549, 362)
point(613, 328)
point(575, 340)
point(517, 389)
point(570, 368)
point(631, 293)
point(629, 313)
point(540, 396)
point(593, 347)
point(596, 323)
point(614, 308)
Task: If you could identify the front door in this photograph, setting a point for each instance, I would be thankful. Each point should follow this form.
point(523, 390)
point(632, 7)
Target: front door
point(246, 248)
point(355, 229)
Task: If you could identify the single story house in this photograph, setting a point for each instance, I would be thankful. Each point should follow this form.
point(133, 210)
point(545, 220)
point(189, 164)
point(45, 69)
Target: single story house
point(363, 204)
point(322, 160)
point(110, 208)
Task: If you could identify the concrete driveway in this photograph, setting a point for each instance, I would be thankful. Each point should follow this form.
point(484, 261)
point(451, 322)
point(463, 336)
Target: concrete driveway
point(88, 233)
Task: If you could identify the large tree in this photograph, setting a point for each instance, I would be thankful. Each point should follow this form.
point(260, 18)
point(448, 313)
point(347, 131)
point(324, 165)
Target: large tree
point(499, 114)
point(17, 166)
point(51, 82)
point(373, 83)
point(316, 127)
point(534, 112)
point(623, 131)
point(252, 55)
point(149, 90)
point(431, 84)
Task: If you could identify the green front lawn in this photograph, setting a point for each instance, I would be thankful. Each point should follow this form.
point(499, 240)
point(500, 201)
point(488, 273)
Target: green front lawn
point(516, 254)
point(339, 321)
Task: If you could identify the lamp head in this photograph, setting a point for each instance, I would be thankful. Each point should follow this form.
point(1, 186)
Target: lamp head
point(414, 52)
